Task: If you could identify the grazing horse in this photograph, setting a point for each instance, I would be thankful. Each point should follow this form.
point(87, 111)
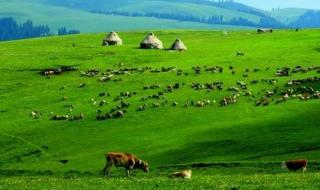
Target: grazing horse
point(125, 160)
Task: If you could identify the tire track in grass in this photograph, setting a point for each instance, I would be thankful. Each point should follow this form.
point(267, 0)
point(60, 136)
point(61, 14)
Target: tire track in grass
point(27, 142)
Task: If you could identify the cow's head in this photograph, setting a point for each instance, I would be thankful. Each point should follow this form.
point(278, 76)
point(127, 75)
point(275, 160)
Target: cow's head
point(144, 166)
point(283, 165)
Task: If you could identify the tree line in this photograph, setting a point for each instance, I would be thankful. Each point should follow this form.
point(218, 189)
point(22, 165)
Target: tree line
point(265, 21)
point(11, 30)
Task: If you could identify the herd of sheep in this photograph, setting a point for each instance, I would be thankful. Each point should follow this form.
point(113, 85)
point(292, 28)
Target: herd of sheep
point(294, 88)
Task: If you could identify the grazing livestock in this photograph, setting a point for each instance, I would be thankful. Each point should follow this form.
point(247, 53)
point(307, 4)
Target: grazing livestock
point(229, 100)
point(59, 118)
point(79, 117)
point(185, 174)
point(119, 114)
point(48, 72)
point(175, 104)
point(207, 86)
point(106, 78)
point(283, 72)
point(200, 104)
point(156, 105)
point(64, 98)
point(239, 53)
point(295, 165)
point(104, 94)
point(142, 108)
point(301, 81)
point(36, 114)
point(58, 71)
point(82, 85)
point(254, 81)
point(125, 160)
point(154, 86)
point(243, 85)
point(89, 73)
point(263, 101)
point(264, 30)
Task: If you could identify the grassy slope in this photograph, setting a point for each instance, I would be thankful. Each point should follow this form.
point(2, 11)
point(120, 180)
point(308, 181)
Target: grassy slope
point(167, 135)
point(248, 182)
point(57, 17)
point(288, 15)
point(158, 6)
point(186, 9)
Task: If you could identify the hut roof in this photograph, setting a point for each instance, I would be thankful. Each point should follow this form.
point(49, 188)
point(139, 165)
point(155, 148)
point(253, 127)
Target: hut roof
point(151, 42)
point(112, 39)
point(178, 45)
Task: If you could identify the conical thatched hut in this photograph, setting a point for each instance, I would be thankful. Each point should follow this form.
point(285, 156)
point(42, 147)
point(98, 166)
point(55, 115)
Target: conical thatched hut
point(178, 45)
point(112, 39)
point(151, 42)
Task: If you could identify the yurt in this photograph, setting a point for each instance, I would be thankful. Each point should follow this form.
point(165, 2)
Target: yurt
point(178, 45)
point(151, 42)
point(112, 39)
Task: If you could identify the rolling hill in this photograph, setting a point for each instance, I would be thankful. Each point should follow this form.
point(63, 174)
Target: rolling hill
point(185, 8)
point(56, 17)
point(98, 16)
point(166, 132)
point(288, 15)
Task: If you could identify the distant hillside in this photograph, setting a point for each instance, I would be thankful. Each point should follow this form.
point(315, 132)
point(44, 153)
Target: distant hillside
point(287, 16)
point(310, 19)
point(123, 15)
point(199, 11)
point(186, 8)
point(55, 17)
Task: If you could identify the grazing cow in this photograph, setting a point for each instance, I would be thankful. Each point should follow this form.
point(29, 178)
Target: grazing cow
point(186, 174)
point(295, 165)
point(264, 30)
point(126, 160)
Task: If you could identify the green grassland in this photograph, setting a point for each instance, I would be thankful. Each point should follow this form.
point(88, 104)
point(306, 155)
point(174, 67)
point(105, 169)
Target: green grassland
point(56, 17)
point(227, 182)
point(236, 138)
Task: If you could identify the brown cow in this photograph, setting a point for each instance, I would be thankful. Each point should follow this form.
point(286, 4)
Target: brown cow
point(295, 165)
point(126, 160)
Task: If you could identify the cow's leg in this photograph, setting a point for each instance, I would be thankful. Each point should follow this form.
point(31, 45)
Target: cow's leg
point(107, 168)
point(107, 172)
point(129, 170)
point(104, 170)
point(304, 169)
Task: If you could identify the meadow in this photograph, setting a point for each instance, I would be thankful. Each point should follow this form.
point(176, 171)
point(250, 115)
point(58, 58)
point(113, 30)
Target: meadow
point(238, 146)
point(228, 182)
